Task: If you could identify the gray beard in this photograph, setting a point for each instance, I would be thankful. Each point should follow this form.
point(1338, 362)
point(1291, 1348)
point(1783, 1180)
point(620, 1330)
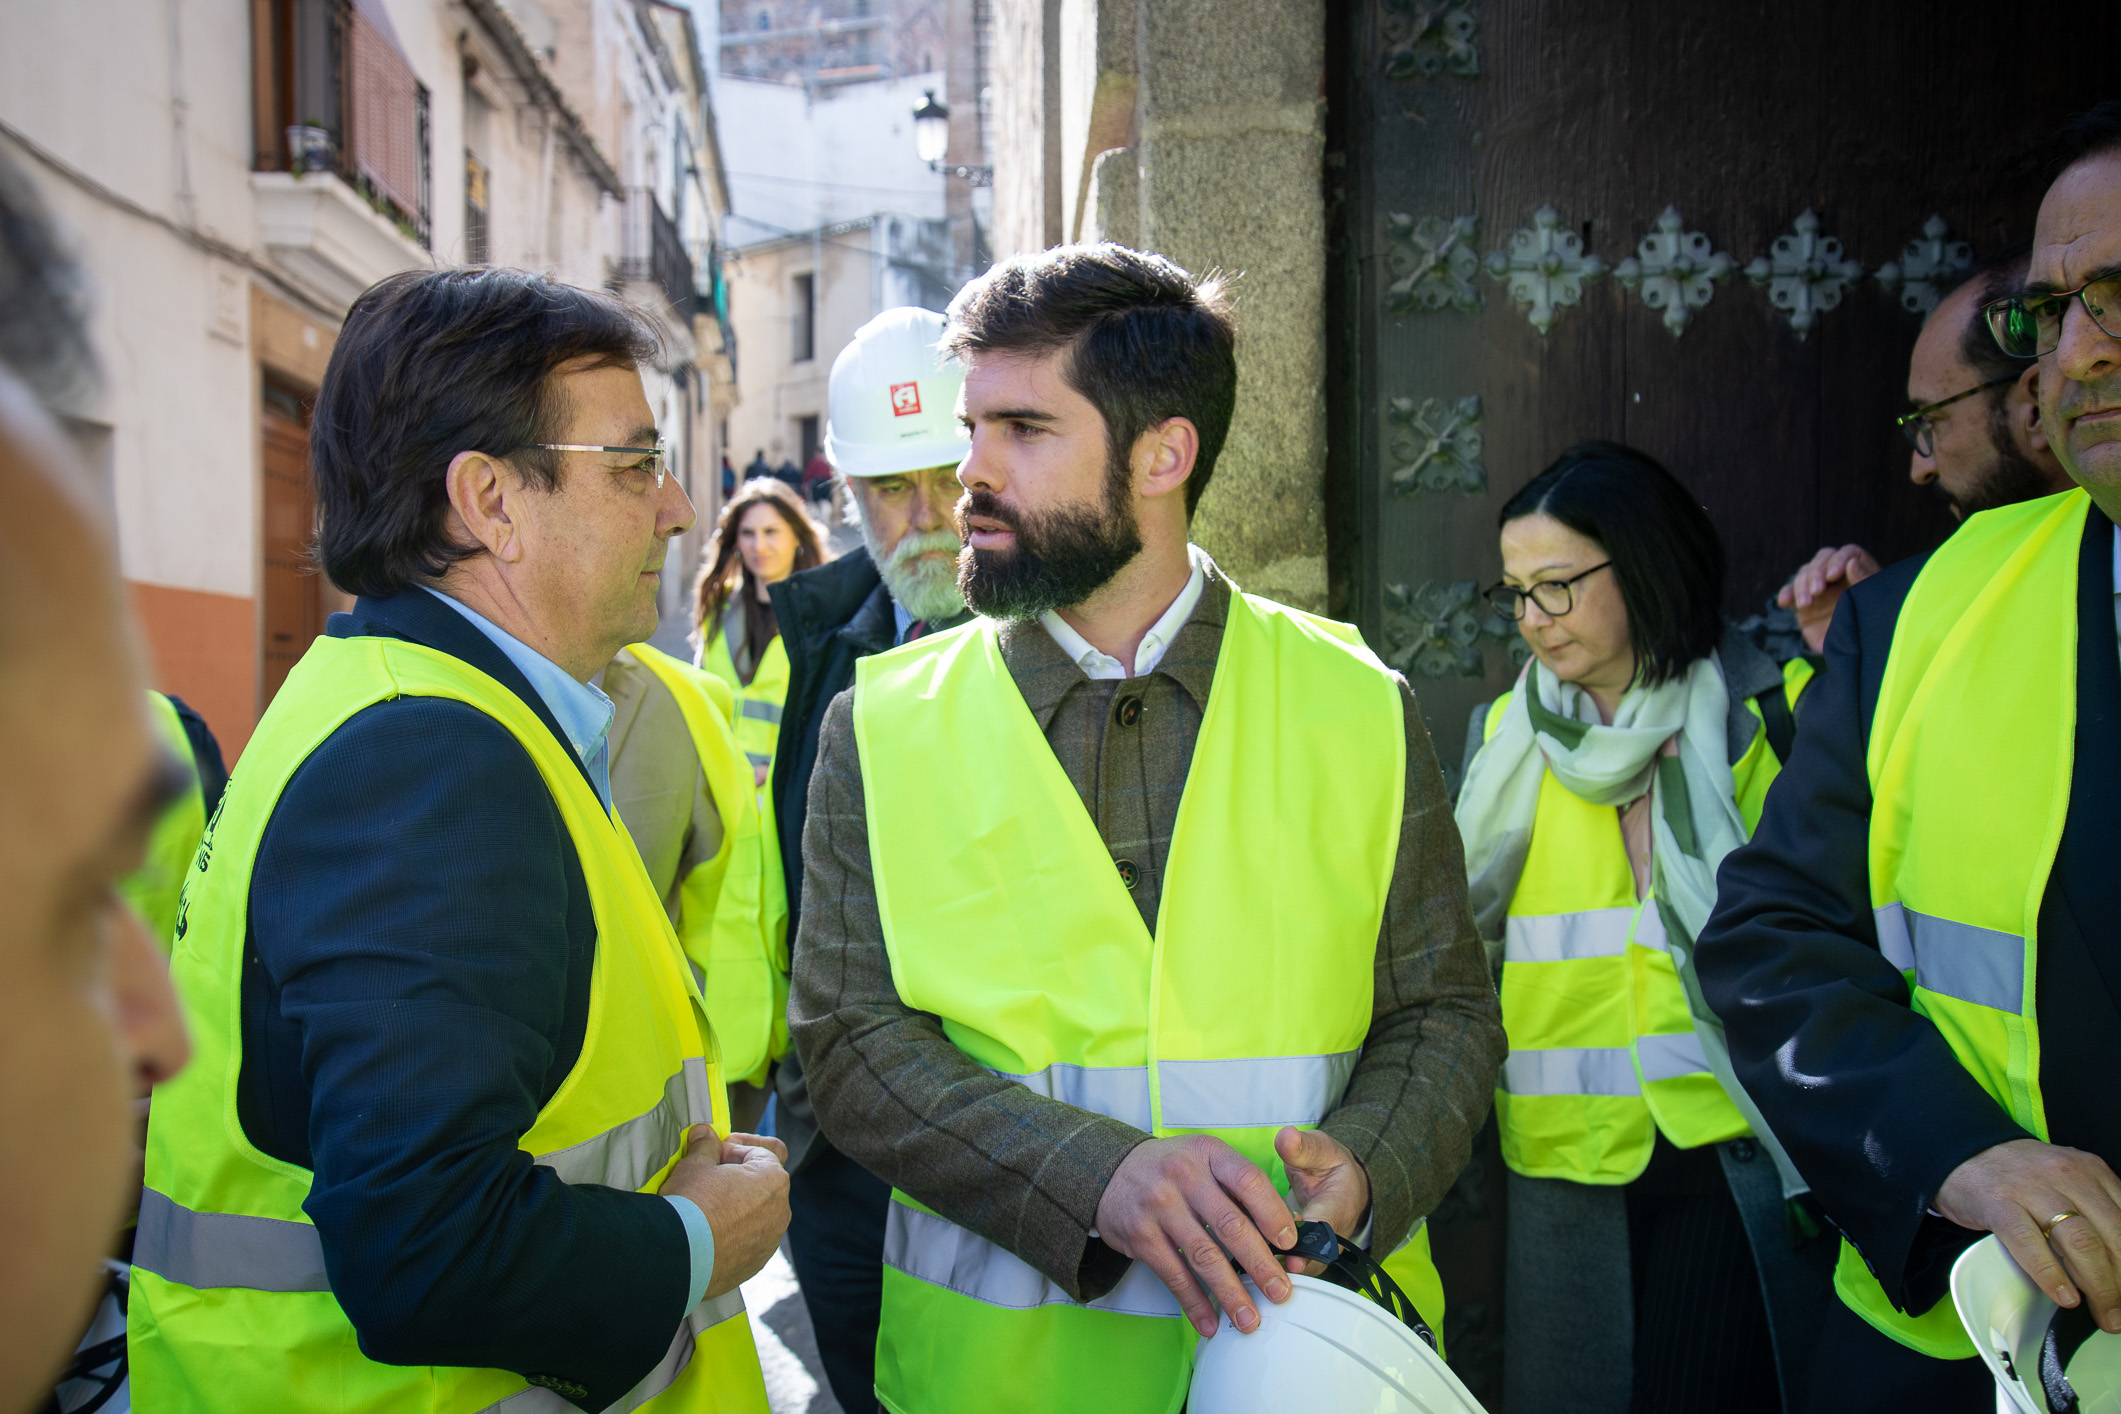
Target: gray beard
point(924, 590)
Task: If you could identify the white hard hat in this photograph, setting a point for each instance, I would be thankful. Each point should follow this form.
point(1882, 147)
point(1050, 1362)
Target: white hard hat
point(2045, 1359)
point(892, 401)
point(1323, 1348)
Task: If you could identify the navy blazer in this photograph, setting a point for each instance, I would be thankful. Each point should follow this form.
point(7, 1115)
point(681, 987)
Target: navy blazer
point(1866, 1095)
point(415, 989)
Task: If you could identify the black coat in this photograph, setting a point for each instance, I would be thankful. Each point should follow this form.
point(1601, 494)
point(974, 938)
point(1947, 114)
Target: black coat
point(829, 617)
point(415, 989)
point(1865, 1094)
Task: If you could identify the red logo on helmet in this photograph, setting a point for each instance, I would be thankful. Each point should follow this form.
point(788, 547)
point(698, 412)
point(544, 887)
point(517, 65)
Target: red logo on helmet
point(905, 399)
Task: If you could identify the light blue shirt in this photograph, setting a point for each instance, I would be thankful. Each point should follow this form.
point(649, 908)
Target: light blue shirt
point(585, 713)
point(904, 620)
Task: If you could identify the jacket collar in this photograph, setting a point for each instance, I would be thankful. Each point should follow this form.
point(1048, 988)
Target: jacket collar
point(812, 605)
point(418, 617)
point(1044, 674)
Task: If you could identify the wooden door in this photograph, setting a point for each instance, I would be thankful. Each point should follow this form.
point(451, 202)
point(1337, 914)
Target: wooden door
point(294, 599)
point(1461, 128)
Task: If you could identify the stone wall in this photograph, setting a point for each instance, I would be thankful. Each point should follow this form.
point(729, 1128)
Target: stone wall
point(1194, 128)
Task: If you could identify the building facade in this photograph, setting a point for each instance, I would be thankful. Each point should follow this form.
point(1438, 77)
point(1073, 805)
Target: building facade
point(249, 166)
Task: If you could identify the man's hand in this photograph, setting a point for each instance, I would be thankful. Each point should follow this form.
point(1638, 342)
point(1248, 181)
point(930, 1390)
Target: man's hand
point(2016, 1189)
point(1326, 1184)
point(1817, 587)
point(1179, 1204)
point(742, 1189)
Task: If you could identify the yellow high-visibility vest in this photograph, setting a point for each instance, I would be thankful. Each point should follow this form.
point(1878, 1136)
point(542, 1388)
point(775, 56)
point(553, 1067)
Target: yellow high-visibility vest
point(758, 702)
point(154, 887)
point(231, 1306)
point(1603, 1052)
point(732, 923)
point(1971, 758)
point(1004, 916)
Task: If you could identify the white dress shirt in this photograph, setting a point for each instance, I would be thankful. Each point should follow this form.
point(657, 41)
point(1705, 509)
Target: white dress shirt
point(1101, 666)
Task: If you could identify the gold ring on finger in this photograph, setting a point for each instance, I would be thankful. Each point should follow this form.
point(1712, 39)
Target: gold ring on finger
point(2056, 1221)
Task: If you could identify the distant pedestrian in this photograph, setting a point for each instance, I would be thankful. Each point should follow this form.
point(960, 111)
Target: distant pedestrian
point(763, 536)
point(789, 475)
point(728, 478)
point(817, 477)
point(758, 469)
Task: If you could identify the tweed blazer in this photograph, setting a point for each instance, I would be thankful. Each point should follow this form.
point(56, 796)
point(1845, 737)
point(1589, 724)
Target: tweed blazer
point(1026, 1172)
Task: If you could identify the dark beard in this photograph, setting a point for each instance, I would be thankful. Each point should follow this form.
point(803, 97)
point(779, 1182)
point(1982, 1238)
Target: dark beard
point(1061, 557)
point(2012, 477)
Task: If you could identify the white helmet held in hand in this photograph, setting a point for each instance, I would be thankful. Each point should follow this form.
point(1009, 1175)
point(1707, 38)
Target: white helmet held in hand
point(891, 406)
point(2046, 1359)
point(1323, 1348)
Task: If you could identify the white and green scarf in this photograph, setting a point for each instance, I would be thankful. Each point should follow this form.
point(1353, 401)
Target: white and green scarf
point(1551, 725)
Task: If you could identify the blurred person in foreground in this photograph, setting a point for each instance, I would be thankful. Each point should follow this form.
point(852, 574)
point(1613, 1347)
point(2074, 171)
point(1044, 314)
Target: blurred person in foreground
point(1975, 433)
point(457, 1132)
point(88, 1021)
point(996, 850)
point(1650, 1260)
point(894, 441)
point(1916, 959)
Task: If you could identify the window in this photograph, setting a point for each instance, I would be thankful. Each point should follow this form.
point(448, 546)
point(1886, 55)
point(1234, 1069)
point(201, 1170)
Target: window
point(803, 312)
point(806, 434)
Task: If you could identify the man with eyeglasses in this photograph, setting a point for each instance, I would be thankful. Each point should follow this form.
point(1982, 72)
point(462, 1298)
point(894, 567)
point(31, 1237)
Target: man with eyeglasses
point(1916, 957)
point(1975, 433)
point(455, 1135)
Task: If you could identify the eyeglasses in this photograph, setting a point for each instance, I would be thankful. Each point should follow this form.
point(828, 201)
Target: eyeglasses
point(2027, 326)
point(657, 465)
point(1920, 428)
point(1555, 597)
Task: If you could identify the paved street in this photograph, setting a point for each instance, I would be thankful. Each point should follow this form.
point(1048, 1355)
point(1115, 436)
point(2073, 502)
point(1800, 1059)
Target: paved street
point(795, 1383)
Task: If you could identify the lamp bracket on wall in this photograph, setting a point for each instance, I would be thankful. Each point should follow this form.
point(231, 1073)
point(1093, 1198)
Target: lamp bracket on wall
point(1434, 262)
point(1437, 446)
point(1928, 266)
point(1675, 270)
point(1545, 267)
point(1805, 274)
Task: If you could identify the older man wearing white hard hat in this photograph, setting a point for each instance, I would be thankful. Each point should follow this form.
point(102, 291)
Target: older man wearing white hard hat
point(893, 438)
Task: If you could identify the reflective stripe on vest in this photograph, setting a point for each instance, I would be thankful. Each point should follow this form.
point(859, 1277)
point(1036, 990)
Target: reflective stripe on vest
point(759, 711)
point(1985, 966)
point(684, 1345)
point(1564, 937)
point(220, 1217)
point(1204, 1094)
point(1037, 962)
point(1970, 761)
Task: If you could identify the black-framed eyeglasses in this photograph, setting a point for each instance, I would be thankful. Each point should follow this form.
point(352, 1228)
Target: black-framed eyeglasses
point(2029, 325)
point(1920, 428)
point(657, 465)
point(1554, 597)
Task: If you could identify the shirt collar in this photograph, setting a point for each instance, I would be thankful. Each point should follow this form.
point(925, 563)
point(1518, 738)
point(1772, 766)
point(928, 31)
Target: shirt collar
point(1099, 666)
point(581, 709)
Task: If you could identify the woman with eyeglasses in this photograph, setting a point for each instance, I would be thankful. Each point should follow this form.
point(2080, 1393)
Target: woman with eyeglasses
point(1650, 1261)
point(763, 535)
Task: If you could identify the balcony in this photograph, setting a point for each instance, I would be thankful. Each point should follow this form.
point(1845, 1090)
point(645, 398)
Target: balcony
point(341, 164)
point(655, 273)
point(328, 236)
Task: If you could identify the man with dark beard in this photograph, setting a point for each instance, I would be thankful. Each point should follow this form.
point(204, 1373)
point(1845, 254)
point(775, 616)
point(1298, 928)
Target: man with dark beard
point(891, 434)
point(1975, 430)
point(1108, 1047)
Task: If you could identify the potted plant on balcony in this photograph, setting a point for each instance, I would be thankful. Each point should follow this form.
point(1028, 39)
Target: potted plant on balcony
point(308, 147)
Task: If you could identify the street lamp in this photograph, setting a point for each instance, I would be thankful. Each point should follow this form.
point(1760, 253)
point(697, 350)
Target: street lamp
point(931, 139)
point(931, 129)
